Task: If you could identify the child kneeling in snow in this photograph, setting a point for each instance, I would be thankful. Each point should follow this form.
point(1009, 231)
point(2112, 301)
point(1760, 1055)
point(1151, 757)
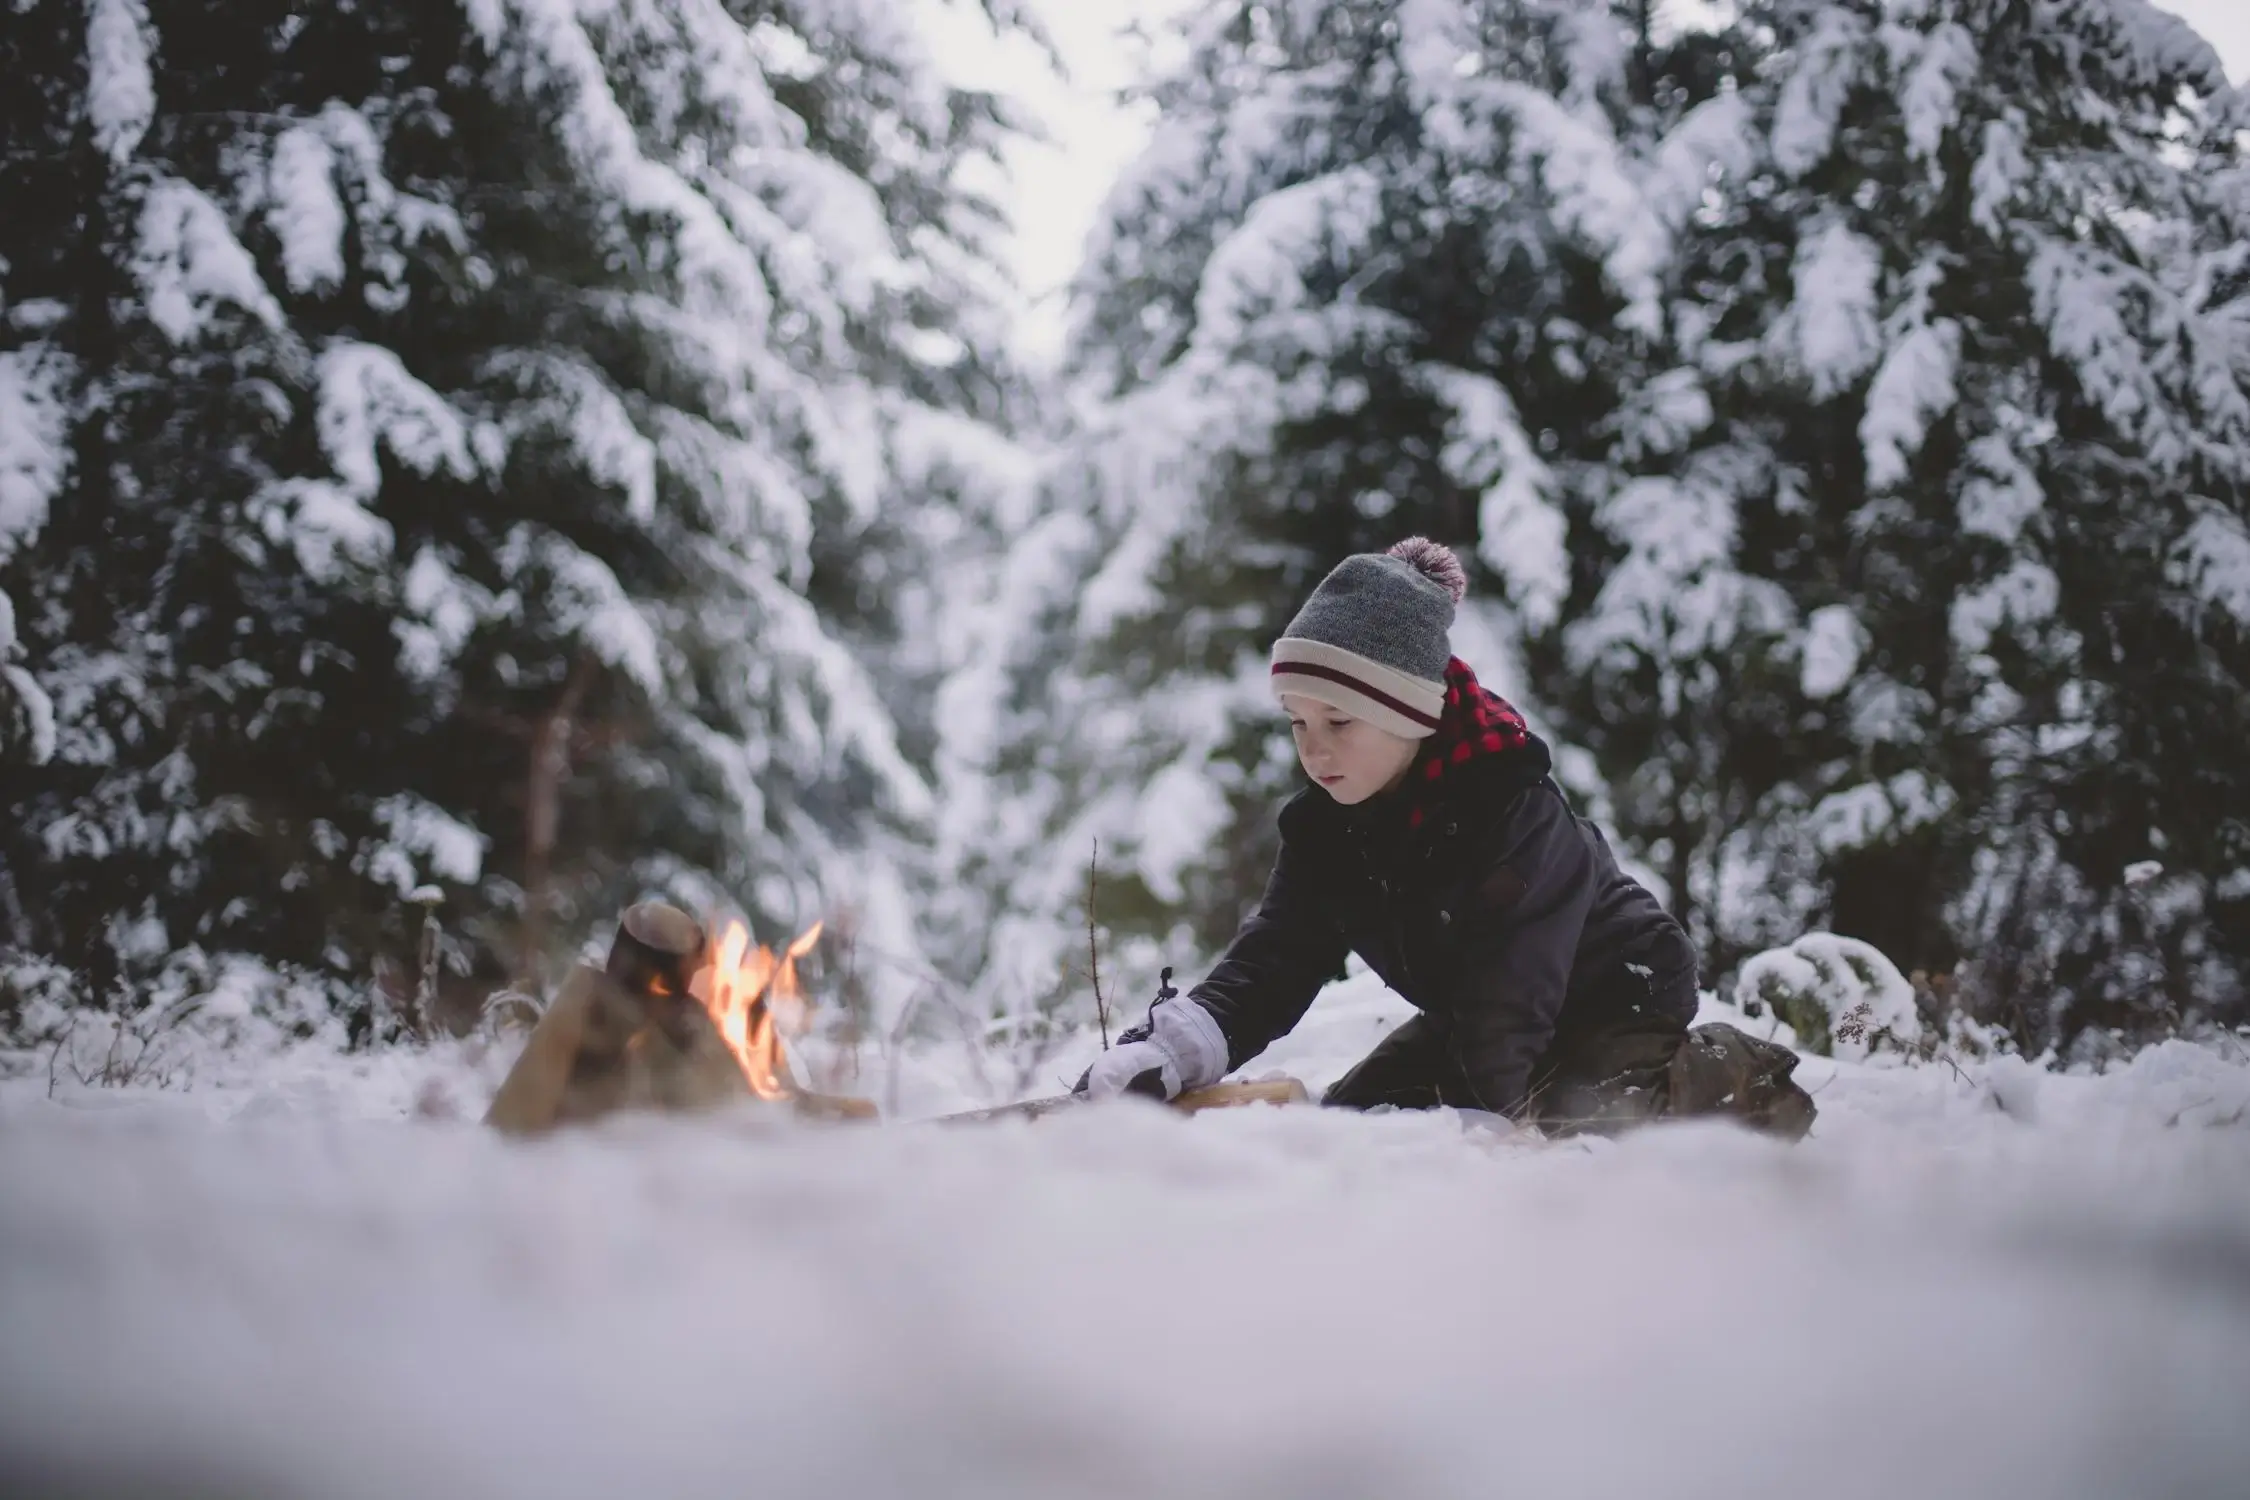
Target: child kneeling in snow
point(1552, 988)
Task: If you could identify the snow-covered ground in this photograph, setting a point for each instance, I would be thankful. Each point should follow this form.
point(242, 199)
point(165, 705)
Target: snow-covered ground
point(298, 1283)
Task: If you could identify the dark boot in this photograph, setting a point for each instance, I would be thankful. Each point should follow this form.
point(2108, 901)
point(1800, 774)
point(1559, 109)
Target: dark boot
point(1722, 1070)
point(1601, 1081)
point(1604, 1081)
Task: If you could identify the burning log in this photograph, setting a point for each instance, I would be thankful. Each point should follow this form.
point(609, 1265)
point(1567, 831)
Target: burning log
point(668, 1022)
point(673, 1021)
point(657, 950)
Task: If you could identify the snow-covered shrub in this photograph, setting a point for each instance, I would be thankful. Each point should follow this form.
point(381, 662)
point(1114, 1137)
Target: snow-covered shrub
point(2181, 1083)
point(1841, 996)
point(197, 1014)
point(36, 995)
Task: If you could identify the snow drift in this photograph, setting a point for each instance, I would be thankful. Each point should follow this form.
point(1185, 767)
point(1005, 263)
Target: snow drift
point(1991, 1281)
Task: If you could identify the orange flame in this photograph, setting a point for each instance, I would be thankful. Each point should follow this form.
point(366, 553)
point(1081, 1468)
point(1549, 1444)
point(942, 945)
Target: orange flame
point(752, 997)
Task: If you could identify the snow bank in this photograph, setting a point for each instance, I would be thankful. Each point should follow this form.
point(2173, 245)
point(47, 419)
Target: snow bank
point(278, 1292)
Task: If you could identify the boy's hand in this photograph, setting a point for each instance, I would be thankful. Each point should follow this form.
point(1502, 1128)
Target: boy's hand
point(1134, 1068)
point(1184, 1050)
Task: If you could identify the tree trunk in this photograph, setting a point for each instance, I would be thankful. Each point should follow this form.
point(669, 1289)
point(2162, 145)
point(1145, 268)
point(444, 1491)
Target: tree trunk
point(545, 772)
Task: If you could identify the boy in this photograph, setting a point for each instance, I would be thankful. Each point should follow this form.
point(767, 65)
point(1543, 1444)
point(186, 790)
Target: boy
point(1552, 988)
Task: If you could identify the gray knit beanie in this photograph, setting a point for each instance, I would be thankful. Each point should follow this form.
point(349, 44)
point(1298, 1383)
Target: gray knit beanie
point(1372, 638)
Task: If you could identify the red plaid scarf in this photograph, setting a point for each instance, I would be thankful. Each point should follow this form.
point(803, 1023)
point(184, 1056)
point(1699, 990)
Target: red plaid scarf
point(1475, 722)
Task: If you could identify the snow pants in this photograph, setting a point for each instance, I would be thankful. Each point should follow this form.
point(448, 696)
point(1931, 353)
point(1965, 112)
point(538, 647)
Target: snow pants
point(1600, 1078)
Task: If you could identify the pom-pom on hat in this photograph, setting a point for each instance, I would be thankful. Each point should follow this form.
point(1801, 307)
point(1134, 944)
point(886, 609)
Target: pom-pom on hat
point(1372, 639)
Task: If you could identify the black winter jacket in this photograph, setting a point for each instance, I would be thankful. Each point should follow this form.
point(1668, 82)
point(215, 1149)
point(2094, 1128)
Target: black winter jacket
point(1504, 919)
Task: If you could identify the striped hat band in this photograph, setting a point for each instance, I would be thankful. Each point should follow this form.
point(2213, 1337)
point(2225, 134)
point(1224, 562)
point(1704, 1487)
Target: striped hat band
point(1384, 696)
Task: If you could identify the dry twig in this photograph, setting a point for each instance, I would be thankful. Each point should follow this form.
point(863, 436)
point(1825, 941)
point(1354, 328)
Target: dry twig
point(1093, 952)
point(54, 1053)
point(894, 1046)
point(501, 1000)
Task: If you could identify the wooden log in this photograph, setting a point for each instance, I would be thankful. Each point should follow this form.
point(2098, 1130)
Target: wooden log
point(626, 1036)
point(835, 1107)
point(1027, 1109)
point(1194, 1101)
point(532, 1091)
point(1235, 1095)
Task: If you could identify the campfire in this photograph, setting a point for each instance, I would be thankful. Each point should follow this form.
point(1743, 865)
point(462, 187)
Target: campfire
point(671, 1021)
point(752, 997)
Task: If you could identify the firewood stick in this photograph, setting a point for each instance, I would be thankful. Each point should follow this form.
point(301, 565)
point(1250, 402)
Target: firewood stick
point(1195, 1101)
point(834, 1107)
point(650, 964)
point(532, 1092)
point(1231, 1095)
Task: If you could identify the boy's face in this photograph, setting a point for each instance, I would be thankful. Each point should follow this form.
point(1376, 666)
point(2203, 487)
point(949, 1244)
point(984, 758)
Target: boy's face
point(1349, 758)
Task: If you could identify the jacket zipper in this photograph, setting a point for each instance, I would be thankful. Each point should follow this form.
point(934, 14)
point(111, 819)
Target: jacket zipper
point(1391, 925)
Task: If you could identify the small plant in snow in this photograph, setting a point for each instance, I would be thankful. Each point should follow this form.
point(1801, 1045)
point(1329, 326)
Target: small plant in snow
point(1853, 1027)
point(121, 1047)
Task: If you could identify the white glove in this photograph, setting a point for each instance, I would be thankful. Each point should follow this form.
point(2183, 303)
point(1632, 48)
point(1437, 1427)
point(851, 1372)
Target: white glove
point(1185, 1050)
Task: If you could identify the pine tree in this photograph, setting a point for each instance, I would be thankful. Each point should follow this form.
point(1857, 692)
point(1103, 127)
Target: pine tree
point(1334, 304)
point(439, 446)
point(1971, 328)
